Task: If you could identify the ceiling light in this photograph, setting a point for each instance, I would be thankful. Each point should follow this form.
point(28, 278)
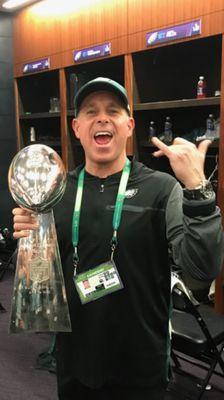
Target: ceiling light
point(59, 8)
point(14, 3)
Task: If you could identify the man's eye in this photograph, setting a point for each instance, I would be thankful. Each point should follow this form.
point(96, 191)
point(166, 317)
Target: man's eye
point(113, 110)
point(90, 111)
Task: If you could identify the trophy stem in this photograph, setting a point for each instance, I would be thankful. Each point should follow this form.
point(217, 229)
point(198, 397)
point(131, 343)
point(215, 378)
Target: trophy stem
point(39, 301)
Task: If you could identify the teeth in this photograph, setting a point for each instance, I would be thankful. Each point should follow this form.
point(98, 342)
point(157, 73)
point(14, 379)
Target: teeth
point(103, 134)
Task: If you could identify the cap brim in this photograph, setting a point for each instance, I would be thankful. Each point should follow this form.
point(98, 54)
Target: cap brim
point(92, 86)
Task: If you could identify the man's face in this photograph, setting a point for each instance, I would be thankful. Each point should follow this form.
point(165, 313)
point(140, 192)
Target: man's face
point(103, 127)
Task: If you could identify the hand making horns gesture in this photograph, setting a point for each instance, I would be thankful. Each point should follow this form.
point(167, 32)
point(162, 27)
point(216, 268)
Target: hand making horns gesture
point(186, 160)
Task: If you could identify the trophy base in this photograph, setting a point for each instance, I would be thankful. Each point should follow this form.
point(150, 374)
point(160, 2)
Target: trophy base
point(39, 299)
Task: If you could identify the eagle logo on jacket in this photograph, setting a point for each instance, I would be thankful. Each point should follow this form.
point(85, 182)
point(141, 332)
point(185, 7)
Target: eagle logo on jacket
point(130, 193)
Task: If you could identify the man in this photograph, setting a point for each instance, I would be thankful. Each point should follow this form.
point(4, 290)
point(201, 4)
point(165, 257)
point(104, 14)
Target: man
point(117, 223)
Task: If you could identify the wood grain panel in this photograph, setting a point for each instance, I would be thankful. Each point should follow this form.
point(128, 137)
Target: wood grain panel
point(55, 63)
point(35, 37)
point(144, 15)
point(118, 47)
point(38, 36)
point(64, 127)
point(18, 135)
point(107, 20)
point(219, 290)
point(128, 82)
point(128, 78)
point(212, 24)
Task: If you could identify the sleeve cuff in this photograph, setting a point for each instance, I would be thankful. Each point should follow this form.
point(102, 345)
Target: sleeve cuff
point(199, 208)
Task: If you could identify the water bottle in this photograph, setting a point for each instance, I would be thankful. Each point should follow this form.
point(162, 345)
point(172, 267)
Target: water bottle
point(201, 88)
point(168, 134)
point(32, 135)
point(152, 130)
point(210, 127)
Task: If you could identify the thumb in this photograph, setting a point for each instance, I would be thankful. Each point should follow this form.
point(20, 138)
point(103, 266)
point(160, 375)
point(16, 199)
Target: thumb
point(204, 145)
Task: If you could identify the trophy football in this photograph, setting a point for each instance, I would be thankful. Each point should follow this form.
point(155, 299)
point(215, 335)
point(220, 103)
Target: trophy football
point(37, 181)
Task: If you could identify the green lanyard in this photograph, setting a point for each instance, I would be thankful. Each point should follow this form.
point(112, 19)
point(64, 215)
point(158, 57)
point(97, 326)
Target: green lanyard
point(117, 211)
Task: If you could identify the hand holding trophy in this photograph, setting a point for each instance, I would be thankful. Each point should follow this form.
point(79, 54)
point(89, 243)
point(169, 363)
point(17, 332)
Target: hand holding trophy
point(37, 181)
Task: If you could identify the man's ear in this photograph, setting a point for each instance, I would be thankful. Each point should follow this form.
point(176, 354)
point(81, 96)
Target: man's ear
point(131, 125)
point(75, 127)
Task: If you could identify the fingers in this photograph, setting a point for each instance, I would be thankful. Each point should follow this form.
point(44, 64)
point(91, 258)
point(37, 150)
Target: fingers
point(163, 148)
point(21, 226)
point(24, 221)
point(204, 145)
point(23, 229)
point(23, 218)
point(21, 211)
point(168, 150)
point(21, 234)
point(158, 153)
point(179, 140)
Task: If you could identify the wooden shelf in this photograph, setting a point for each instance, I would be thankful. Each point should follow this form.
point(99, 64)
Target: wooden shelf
point(50, 143)
point(40, 115)
point(184, 103)
point(157, 105)
point(214, 145)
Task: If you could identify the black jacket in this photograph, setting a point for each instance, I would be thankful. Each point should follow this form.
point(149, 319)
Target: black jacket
point(124, 337)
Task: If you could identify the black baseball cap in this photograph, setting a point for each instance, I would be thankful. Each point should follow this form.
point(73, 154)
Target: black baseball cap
point(99, 84)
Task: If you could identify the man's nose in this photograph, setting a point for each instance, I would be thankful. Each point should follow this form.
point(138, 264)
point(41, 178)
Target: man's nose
point(102, 118)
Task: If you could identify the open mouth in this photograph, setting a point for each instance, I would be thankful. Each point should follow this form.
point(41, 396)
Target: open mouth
point(103, 138)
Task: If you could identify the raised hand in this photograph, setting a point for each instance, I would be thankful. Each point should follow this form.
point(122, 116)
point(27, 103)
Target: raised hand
point(24, 221)
point(186, 160)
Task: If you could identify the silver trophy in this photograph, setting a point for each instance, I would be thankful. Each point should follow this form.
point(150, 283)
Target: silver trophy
point(37, 181)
